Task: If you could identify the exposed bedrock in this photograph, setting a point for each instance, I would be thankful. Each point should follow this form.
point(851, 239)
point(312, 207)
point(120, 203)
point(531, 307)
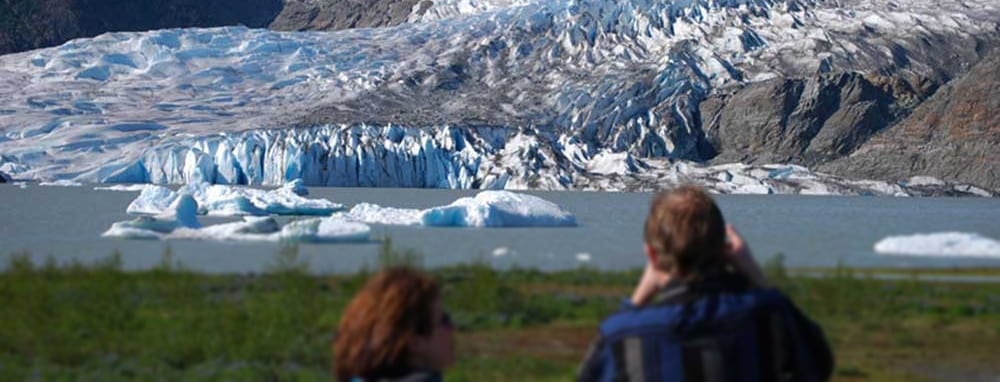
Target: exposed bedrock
point(954, 135)
point(32, 24)
point(300, 15)
point(806, 121)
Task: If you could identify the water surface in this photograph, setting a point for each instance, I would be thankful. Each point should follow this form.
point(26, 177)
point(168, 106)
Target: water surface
point(811, 231)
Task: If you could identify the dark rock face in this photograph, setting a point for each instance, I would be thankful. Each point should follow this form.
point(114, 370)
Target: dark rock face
point(805, 121)
point(300, 15)
point(4, 178)
point(954, 136)
point(32, 24)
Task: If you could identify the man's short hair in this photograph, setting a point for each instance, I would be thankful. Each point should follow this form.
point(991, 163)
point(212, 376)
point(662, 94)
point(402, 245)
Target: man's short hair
point(686, 230)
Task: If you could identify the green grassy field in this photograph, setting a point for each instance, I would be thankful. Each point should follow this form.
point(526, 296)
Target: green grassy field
point(97, 322)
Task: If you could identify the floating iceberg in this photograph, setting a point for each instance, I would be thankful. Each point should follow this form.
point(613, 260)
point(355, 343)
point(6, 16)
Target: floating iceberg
point(152, 200)
point(487, 209)
point(326, 230)
point(376, 214)
point(266, 229)
point(180, 222)
point(498, 209)
point(221, 200)
point(181, 213)
point(944, 244)
point(124, 187)
point(61, 183)
point(296, 187)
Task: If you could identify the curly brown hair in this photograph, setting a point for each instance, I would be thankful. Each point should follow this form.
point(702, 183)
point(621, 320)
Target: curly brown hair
point(389, 312)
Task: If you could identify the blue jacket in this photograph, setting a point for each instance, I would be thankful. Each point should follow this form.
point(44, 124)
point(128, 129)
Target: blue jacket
point(709, 331)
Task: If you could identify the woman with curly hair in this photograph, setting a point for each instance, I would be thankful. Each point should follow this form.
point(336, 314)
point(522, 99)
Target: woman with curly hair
point(395, 329)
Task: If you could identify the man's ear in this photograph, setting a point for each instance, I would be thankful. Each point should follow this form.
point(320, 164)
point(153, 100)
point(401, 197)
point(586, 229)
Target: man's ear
point(650, 255)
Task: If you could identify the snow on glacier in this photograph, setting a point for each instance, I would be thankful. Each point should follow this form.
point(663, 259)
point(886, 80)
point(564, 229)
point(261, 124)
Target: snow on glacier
point(498, 209)
point(943, 244)
point(620, 76)
point(222, 200)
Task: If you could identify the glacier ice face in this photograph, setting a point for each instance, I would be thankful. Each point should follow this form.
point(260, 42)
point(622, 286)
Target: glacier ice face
point(490, 94)
point(943, 244)
point(221, 200)
point(498, 209)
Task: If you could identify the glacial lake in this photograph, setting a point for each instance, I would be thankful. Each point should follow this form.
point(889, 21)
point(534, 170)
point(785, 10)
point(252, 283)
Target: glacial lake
point(65, 223)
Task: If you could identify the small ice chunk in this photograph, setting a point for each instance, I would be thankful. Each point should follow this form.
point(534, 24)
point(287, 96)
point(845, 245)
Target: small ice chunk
point(61, 183)
point(943, 244)
point(498, 209)
point(328, 230)
point(152, 200)
point(296, 187)
point(754, 189)
point(583, 257)
point(123, 187)
point(923, 180)
point(182, 213)
point(252, 228)
point(501, 251)
point(375, 214)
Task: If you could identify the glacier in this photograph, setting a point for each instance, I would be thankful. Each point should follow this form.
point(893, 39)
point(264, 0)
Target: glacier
point(940, 244)
point(481, 94)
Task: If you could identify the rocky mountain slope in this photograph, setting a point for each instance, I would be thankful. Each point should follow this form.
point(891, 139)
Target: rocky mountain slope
point(31, 24)
point(326, 15)
point(954, 135)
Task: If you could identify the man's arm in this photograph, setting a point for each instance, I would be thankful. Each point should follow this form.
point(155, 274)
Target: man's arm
point(738, 254)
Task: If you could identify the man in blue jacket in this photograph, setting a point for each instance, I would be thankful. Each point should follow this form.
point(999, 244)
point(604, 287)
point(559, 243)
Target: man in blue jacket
point(702, 310)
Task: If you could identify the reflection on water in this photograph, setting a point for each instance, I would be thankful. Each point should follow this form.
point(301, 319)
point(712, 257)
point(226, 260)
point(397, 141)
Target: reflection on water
point(66, 223)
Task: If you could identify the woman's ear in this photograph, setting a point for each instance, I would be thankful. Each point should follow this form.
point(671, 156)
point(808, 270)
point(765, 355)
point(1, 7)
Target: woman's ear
point(650, 255)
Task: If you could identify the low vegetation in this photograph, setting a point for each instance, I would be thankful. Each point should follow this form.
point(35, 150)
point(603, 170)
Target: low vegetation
point(98, 322)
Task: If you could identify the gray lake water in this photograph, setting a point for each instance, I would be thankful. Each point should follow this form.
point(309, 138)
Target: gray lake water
point(65, 223)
